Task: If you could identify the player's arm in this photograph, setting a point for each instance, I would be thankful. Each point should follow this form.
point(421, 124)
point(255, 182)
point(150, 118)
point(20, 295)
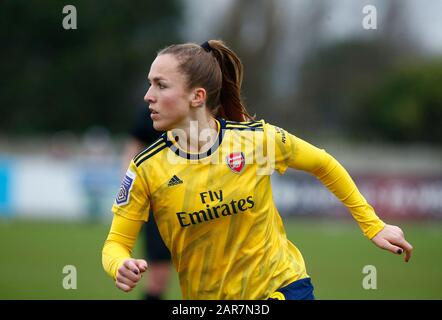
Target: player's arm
point(296, 153)
point(117, 249)
point(130, 210)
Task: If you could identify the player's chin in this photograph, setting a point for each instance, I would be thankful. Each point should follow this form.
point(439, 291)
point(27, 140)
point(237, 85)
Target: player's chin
point(160, 125)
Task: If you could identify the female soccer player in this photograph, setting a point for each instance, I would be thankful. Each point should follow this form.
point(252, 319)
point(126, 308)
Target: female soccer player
point(207, 179)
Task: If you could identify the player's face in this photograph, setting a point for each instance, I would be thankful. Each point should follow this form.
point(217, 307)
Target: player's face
point(168, 96)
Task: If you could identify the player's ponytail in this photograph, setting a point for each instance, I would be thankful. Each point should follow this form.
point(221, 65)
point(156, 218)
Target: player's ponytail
point(231, 104)
point(218, 70)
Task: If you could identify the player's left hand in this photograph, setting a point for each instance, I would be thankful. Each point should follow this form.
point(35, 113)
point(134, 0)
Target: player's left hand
point(392, 238)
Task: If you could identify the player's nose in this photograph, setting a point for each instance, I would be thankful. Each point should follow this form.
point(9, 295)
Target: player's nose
point(148, 97)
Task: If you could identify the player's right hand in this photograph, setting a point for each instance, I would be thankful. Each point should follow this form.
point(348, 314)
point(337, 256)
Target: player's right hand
point(129, 273)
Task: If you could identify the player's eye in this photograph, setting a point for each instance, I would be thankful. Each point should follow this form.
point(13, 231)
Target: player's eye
point(161, 86)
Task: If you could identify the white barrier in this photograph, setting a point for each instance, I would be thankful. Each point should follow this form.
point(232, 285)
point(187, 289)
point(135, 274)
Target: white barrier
point(85, 188)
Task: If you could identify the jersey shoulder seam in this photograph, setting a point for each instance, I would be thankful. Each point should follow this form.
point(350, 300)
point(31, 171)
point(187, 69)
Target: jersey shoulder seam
point(151, 150)
point(247, 125)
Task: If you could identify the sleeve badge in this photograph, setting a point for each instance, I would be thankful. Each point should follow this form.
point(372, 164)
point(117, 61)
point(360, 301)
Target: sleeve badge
point(126, 186)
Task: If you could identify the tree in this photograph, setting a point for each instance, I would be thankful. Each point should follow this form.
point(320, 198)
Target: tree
point(57, 79)
point(406, 106)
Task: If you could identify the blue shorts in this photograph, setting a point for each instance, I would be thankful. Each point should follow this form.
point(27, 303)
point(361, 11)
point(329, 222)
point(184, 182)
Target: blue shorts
point(297, 290)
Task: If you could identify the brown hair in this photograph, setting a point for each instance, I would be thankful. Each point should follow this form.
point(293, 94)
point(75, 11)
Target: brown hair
point(219, 71)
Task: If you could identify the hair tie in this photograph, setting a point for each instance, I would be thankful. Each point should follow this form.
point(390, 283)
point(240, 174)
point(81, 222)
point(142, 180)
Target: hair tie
point(206, 46)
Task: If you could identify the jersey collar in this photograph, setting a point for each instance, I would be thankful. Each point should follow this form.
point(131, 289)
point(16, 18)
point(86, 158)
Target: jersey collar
point(173, 145)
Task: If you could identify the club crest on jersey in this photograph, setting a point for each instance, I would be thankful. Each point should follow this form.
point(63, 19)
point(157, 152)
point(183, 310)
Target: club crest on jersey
point(126, 185)
point(236, 161)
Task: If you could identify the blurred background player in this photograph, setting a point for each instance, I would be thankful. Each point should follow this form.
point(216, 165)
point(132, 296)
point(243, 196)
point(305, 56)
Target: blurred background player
point(157, 254)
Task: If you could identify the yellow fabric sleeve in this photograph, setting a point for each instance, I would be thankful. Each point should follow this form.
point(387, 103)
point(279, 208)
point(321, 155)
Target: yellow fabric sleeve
point(119, 243)
point(332, 174)
point(134, 196)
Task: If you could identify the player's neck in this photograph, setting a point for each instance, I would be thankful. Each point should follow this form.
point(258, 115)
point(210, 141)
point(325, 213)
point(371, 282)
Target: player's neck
point(197, 135)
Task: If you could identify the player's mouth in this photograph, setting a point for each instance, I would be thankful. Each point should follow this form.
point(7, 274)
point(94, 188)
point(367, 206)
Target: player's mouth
point(154, 115)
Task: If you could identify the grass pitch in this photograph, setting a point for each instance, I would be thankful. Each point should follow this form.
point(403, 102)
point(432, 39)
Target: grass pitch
point(33, 254)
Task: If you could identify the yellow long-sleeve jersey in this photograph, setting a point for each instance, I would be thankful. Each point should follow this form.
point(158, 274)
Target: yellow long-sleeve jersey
point(216, 213)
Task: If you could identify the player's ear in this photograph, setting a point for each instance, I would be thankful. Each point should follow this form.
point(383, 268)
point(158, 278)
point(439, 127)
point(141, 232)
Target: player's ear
point(198, 97)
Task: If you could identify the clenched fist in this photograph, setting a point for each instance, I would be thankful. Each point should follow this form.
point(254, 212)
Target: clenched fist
point(129, 273)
